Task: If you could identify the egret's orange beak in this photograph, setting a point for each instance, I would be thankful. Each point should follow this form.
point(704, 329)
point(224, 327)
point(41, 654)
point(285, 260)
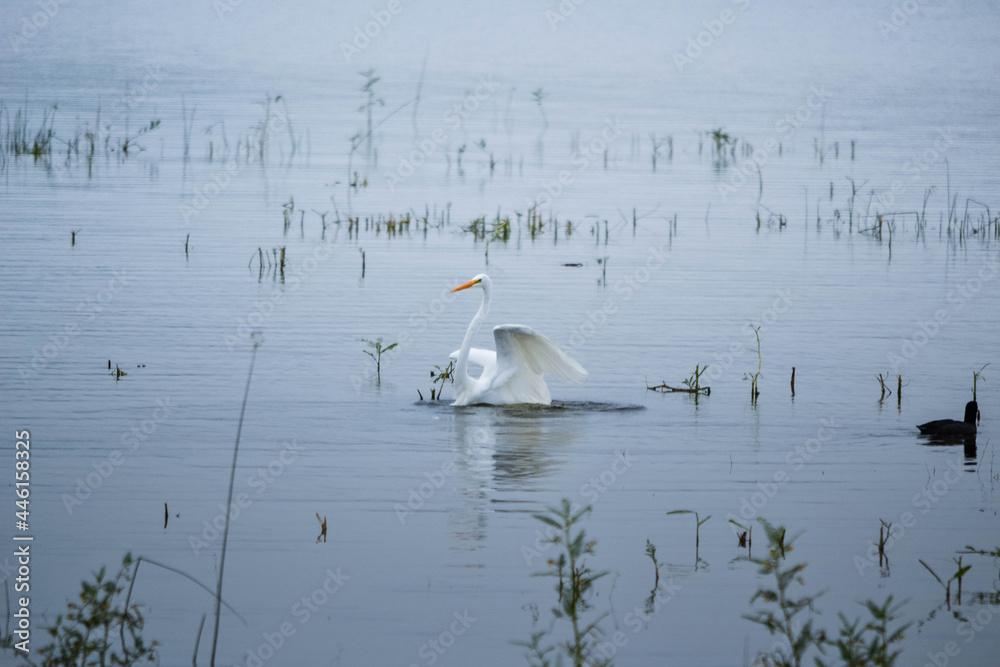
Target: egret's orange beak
point(467, 285)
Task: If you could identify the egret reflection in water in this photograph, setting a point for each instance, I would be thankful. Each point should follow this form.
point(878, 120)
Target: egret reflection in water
point(511, 449)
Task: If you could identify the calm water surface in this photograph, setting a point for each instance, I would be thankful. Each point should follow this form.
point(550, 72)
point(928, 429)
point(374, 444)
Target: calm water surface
point(428, 507)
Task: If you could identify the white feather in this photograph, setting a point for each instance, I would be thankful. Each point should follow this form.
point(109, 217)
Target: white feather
point(515, 372)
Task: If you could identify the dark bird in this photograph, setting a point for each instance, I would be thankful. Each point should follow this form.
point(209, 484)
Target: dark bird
point(949, 427)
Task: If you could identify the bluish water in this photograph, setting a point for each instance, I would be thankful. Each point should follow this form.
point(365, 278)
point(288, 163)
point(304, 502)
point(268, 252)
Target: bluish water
point(428, 507)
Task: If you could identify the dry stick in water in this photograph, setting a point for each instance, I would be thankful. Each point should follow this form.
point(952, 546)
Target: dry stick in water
point(197, 642)
point(189, 578)
point(229, 503)
point(885, 390)
point(128, 597)
point(793, 380)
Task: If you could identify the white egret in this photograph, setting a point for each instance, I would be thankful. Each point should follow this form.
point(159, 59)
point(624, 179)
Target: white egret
point(512, 374)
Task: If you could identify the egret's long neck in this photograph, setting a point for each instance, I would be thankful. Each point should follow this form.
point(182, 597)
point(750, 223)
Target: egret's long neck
point(462, 366)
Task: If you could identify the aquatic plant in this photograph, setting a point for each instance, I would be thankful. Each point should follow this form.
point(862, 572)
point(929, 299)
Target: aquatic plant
point(539, 96)
point(697, 529)
point(501, 228)
point(991, 553)
point(376, 354)
point(756, 376)
point(746, 537)
point(370, 103)
point(446, 374)
point(255, 337)
point(720, 138)
point(871, 644)
point(19, 140)
point(884, 533)
point(657, 144)
point(262, 131)
point(800, 636)
point(603, 263)
point(83, 636)
point(286, 212)
point(692, 385)
point(187, 124)
point(976, 376)
point(574, 589)
point(651, 552)
point(946, 585)
point(322, 528)
point(277, 266)
point(129, 142)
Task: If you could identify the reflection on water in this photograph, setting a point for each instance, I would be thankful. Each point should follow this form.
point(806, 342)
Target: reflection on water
point(966, 442)
point(202, 247)
point(509, 449)
point(475, 444)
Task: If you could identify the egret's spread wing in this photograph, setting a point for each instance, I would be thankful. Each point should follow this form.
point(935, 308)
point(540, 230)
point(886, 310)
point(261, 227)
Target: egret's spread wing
point(480, 357)
point(521, 348)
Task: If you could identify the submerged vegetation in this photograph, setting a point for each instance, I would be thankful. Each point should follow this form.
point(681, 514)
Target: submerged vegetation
point(698, 521)
point(26, 132)
point(692, 385)
point(574, 634)
point(443, 376)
